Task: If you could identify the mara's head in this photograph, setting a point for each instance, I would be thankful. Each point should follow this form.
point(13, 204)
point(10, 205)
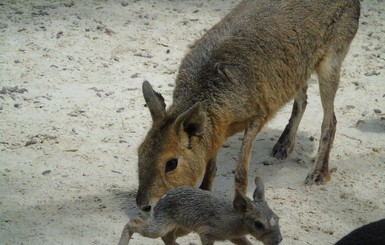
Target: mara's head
point(172, 154)
point(260, 220)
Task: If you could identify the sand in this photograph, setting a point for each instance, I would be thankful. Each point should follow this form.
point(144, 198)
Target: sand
point(72, 116)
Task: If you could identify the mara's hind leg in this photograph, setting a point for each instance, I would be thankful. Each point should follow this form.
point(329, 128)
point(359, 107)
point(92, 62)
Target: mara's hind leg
point(151, 228)
point(170, 238)
point(328, 72)
point(285, 143)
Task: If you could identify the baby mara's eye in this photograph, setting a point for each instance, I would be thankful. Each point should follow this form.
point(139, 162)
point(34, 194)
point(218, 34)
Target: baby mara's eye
point(171, 164)
point(259, 225)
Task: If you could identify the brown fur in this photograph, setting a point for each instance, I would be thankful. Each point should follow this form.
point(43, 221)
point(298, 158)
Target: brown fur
point(235, 78)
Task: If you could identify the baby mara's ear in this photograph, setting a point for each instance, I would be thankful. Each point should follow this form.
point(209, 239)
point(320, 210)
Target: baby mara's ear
point(241, 203)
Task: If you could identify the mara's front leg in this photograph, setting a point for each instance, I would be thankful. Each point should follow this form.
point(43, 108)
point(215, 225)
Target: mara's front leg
point(209, 177)
point(241, 241)
point(241, 178)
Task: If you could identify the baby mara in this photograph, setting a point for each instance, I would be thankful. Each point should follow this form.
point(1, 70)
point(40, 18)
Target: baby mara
point(185, 209)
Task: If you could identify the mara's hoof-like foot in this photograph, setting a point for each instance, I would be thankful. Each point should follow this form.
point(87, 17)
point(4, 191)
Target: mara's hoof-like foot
point(282, 150)
point(317, 177)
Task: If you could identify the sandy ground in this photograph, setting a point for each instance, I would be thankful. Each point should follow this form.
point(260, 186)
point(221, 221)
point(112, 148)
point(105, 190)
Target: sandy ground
point(72, 116)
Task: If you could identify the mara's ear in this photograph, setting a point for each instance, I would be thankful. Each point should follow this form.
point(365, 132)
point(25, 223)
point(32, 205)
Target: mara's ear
point(154, 101)
point(191, 122)
point(230, 71)
point(259, 192)
point(240, 203)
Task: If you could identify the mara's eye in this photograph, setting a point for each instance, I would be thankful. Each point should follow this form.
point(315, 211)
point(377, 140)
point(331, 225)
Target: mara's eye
point(171, 164)
point(259, 225)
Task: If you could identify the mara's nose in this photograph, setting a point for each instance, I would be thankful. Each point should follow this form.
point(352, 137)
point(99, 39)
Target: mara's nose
point(142, 203)
point(146, 208)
